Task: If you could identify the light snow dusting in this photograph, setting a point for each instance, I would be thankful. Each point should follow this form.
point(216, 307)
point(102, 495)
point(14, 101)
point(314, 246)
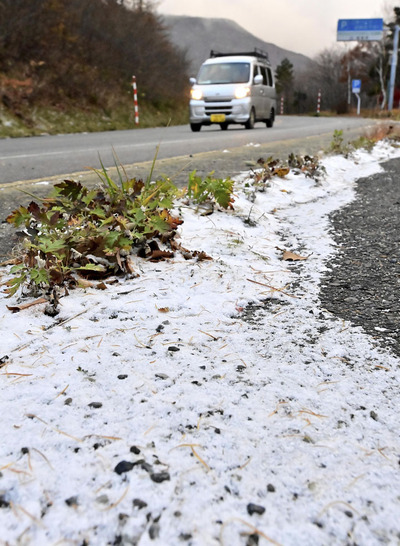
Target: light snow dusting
point(206, 403)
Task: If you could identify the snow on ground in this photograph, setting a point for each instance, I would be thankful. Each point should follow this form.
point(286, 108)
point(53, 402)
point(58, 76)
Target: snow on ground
point(206, 403)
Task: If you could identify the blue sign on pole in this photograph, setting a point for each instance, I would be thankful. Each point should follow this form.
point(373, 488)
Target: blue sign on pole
point(361, 30)
point(356, 86)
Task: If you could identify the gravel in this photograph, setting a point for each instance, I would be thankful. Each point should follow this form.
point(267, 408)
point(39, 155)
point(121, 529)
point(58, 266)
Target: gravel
point(363, 283)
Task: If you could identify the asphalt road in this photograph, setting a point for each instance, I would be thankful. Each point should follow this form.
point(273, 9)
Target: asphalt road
point(35, 158)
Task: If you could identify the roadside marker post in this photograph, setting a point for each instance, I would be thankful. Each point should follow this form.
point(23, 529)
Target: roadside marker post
point(282, 105)
point(319, 103)
point(356, 88)
point(135, 100)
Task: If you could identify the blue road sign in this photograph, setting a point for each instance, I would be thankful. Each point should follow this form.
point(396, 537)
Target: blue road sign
point(361, 30)
point(356, 86)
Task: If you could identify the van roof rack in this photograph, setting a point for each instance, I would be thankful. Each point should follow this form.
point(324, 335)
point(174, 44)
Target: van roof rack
point(259, 53)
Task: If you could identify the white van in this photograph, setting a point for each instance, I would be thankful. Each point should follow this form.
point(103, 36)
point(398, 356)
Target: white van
point(233, 88)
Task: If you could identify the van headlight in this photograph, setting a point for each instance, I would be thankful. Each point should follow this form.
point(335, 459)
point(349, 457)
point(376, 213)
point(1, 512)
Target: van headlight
point(242, 92)
point(196, 94)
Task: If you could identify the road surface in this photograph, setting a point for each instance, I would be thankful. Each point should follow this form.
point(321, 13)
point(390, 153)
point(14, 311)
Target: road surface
point(35, 158)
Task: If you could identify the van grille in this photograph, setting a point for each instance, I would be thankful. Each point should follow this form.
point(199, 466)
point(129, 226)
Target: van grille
point(220, 109)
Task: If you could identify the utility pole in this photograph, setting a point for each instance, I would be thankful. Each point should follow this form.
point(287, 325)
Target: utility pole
point(393, 67)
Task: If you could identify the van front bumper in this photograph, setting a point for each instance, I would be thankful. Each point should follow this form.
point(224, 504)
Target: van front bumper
point(207, 113)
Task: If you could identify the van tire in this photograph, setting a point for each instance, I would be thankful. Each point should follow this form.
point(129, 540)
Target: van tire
point(252, 118)
point(270, 121)
point(195, 127)
point(224, 126)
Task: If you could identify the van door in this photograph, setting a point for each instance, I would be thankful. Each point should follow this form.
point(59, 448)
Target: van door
point(265, 93)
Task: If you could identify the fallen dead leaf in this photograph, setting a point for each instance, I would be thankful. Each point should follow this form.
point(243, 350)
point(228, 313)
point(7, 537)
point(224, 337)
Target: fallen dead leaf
point(289, 256)
point(17, 308)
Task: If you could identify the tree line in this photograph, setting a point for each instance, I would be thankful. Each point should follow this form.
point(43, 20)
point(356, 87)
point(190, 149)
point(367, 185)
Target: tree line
point(65, 51)
point(332, 72)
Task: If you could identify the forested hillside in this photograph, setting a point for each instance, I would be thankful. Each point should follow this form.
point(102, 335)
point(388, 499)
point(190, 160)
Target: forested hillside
point(66, 56)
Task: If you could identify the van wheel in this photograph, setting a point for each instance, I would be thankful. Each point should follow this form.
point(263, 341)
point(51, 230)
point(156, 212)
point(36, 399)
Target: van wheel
point(270, 121)
point(195, 127)
point(224, 126)
point(250, 122)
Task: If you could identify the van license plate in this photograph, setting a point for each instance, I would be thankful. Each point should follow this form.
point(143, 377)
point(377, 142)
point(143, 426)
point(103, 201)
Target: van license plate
point(217, 118)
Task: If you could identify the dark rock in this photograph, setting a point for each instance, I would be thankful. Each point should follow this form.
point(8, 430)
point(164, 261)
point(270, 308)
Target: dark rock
point(146, 466)
point(3, 502)
point(154, 531)
point(95, 405)
point(253, 540)
point(67, 401)
point(123, 466)
point(139, 504)
point(159, 477)
point(122, 376)
point(135, 450)
point(185, 536)
point(72, 501)
point(270, 488)
point(255, 509)
point(373, 415)
point(24, 450)
point(173, 349)
point(162, 376)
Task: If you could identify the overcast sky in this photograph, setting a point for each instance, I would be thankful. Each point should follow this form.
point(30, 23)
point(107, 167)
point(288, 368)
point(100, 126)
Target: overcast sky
point(303, 26)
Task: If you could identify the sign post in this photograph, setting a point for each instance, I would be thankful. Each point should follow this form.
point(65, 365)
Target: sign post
point(393, 66)
point(356, 88)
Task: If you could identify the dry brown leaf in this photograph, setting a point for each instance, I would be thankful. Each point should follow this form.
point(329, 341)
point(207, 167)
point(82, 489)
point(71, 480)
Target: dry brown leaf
point(17, 308)
point(163, 309)
point(289, 256)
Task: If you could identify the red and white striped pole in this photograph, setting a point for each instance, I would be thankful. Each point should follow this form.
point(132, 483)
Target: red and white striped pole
point(135, 100)
point(319, 102)
point(282, 103)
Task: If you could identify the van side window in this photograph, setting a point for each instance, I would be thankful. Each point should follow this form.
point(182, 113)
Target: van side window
point(264, 75)
point(270, 78)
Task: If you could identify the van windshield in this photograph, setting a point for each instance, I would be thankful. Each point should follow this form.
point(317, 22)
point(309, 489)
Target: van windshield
point(224, 73)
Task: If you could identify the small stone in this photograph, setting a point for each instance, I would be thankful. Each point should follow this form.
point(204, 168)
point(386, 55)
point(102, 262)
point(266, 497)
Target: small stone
point(159, 477)
point(154, 531)
point(373, 415)
point(123, 466)
point(348, 513)
point(255, 509)
point(173, 349)
point(162, 376)
point(72, 501)
point(139, 504)
point(68, 402)
point(146, 466)
point(253, 540)
point(102, 499)
point(122, 376)
point(95, 405)
point(185, 536)
point(135, 450)
point(24, 450)
point(217, 430)
point(270, 488)
point(3, 502)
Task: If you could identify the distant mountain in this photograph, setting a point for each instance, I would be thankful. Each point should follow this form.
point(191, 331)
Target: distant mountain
point(198, 35)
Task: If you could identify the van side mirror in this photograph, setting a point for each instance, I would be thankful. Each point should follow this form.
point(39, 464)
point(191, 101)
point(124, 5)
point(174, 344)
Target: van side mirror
point(258, 79)
point(192, 80)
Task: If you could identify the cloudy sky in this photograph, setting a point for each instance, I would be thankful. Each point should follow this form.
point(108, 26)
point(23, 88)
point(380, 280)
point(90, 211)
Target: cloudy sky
point(303, 26)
